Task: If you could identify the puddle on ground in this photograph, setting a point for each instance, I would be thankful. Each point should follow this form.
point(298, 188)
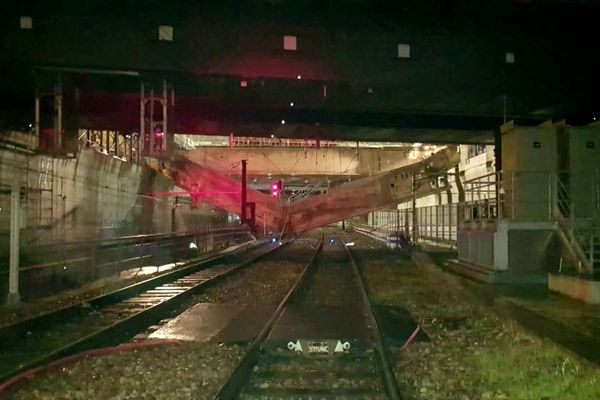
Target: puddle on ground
point(397, 325)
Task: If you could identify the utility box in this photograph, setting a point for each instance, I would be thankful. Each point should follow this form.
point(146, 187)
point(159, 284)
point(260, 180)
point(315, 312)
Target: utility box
point(583, 170)
point(529, 160)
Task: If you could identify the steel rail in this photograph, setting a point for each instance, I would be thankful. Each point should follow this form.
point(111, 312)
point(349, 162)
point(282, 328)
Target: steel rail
point(238, 377)
point(122, 328)
point(47, 319)
point(391, 385)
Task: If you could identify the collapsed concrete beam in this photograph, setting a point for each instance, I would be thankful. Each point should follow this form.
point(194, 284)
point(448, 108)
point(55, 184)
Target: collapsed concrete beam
point(368, 194)
point(221, 191)
point(349, 200)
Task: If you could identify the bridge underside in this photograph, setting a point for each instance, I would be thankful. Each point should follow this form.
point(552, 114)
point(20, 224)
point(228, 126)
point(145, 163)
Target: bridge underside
point(197, 115)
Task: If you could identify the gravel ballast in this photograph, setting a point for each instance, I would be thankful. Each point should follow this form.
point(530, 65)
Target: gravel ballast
point(266, 282)
point(186, 371)
point(181, 371)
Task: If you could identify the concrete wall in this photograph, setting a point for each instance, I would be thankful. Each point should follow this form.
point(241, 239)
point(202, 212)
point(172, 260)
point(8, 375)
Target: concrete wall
point(534, 251)
point(476, 247)
point(92, 195)
point(529, 248)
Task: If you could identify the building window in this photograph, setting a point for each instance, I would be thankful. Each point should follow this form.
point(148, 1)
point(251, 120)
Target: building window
point(290, 43)
point(475, 150)
point(26, 22)
point(165, 33)
point(403, 50)
point(509, 58)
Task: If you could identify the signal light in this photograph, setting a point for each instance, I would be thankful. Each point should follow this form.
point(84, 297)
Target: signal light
point(277, 188)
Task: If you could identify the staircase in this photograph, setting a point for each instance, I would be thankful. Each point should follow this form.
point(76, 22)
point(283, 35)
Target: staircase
point(579, 230)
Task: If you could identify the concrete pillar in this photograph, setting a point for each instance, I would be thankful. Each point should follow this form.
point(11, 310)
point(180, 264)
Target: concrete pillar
point(13, 298)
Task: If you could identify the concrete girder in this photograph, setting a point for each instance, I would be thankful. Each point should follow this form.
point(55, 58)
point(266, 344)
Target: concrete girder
point(349, 200)
point(327, 161)
point(221, 191)
point(368, 194)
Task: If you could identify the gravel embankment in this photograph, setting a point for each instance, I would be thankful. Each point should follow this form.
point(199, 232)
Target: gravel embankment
point(473, 354)
point(185, 371)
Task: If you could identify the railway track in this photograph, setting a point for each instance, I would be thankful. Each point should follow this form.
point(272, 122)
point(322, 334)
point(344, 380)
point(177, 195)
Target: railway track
point(304, 351)
point(115, 317)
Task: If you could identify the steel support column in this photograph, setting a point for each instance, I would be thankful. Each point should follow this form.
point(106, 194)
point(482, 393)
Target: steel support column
point(414, 207)
point(14, 298)
point(243, 215)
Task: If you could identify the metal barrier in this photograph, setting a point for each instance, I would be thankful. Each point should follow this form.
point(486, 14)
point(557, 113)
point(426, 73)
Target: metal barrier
point(572, 200)
point(84, 261)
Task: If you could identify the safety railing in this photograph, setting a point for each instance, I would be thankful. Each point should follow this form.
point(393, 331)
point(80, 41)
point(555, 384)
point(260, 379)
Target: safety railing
point(392, 238)
point(84, 261)
point(571, 200)
point(576, 212)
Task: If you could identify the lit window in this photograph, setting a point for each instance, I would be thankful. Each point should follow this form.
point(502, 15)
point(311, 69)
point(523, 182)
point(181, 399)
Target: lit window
point(403, 50)
point(509, 58)
point(290, 43)
point(26, 22)
point(165, 33)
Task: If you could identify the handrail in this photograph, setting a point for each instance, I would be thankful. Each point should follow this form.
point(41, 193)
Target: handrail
point(142, 237)
point(93, 247)
point(568, 231)
point(567, 234)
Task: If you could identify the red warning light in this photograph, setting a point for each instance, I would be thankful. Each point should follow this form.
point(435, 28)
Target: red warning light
point(276, 188)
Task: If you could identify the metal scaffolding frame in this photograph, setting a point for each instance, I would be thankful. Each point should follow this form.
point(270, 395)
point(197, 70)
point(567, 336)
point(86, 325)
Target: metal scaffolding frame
point(154, 128)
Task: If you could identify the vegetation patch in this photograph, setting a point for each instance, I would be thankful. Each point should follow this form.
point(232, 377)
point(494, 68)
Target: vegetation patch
point(472, 354)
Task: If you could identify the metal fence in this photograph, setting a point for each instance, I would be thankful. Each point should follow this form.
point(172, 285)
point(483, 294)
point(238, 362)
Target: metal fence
point(433, 223)
point(437, 223)
point(572, 199)
point(46, 268)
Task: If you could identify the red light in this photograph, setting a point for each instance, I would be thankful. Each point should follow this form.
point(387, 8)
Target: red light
point(276, 188)
point(243, 83)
